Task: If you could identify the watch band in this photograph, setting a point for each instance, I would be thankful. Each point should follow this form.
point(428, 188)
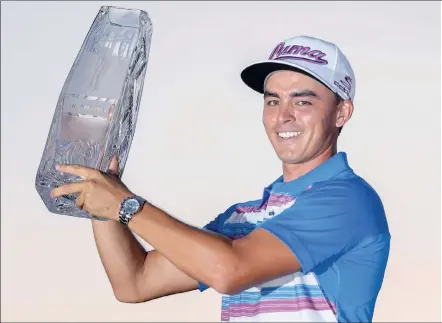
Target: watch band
point(124, 219)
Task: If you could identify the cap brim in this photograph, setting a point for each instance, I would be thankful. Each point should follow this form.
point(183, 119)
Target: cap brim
point(254, 75)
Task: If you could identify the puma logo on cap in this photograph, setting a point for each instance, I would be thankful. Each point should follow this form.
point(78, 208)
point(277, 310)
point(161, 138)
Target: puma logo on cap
point(299, 52)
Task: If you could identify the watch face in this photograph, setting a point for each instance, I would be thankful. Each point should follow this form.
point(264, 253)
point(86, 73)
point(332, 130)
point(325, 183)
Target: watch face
point(131, 206)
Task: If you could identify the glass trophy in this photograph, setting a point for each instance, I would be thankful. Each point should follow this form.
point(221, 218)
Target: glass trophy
point(97, 109)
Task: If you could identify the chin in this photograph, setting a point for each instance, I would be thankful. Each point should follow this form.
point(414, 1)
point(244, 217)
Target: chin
point(290, 159)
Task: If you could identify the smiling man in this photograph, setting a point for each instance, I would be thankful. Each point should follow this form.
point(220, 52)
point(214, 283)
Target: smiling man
point(313, 248)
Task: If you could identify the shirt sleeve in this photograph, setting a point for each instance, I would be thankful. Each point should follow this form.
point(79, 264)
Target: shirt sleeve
point(356, 304)
point(216, 226)
point(326, 221)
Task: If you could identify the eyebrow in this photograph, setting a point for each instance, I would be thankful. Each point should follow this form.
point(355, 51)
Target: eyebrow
point(303, 93)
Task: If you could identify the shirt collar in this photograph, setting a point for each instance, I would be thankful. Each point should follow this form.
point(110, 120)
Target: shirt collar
point(325, 171)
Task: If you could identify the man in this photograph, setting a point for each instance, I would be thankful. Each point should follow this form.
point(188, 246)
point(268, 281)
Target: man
point(313, 248)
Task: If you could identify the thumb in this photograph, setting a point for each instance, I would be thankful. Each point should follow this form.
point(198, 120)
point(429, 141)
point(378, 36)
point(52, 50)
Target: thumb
point(113, 167)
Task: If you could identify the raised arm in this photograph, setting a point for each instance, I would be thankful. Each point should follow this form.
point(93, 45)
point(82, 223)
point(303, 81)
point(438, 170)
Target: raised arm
point(227, 266)
point(134, 274)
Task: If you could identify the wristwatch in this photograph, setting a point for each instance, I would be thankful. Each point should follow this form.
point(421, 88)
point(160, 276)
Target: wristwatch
point(129, 207)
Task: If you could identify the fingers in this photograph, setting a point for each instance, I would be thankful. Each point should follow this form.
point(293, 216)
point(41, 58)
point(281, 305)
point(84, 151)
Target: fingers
point(79, 201)
point(113, 167)
point(82, 171)
point(68, 189)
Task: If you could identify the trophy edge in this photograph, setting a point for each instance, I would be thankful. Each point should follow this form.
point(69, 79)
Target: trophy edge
point(147, 31)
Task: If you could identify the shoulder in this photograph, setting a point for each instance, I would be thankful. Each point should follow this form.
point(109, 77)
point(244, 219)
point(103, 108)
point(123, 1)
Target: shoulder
point(347, 188)
point(346, 182)
point(348, 195)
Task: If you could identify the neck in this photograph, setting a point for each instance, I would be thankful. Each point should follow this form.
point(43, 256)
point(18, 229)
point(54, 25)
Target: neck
point(294, 171)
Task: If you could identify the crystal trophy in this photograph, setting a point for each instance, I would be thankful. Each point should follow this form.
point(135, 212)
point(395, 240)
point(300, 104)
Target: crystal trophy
point(97, 109)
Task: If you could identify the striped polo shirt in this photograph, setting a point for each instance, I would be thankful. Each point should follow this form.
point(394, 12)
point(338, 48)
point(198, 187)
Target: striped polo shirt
point(335, 224)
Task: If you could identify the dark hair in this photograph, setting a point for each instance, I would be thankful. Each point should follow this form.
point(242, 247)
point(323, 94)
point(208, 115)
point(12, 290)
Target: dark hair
point(339, 99)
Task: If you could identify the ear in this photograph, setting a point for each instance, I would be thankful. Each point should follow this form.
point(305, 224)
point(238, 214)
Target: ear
point(345, 111)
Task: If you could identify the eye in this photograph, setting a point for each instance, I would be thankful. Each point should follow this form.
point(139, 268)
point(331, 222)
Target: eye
point(303, 103)
point(272, 102)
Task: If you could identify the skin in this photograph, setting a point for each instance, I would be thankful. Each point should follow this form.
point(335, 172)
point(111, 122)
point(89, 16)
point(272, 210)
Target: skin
point(184, 254)
point(294, 102)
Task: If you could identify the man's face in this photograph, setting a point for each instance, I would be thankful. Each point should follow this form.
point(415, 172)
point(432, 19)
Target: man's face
point(300, 116)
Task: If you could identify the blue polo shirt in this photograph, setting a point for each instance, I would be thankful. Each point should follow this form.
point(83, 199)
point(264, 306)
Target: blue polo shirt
point(335, 224)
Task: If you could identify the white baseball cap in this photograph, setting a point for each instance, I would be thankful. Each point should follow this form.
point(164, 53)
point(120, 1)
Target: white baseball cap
point(320, 59)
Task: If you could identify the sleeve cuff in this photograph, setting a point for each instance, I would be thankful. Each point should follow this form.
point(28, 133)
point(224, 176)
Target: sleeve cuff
point(202, 287)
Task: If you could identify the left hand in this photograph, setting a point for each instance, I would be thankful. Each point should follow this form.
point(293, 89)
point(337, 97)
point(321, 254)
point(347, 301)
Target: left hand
point(100, 193)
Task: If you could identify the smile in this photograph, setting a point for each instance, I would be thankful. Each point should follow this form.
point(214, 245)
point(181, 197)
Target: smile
point(286, 135)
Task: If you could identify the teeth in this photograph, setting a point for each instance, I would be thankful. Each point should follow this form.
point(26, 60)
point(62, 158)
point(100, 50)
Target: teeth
point(288, 134)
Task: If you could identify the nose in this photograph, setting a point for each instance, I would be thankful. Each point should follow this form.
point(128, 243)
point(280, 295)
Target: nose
point(285, 113)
